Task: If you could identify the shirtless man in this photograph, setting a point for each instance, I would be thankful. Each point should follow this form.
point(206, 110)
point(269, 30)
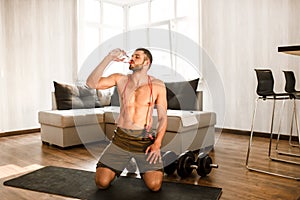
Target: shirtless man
point(138, 94)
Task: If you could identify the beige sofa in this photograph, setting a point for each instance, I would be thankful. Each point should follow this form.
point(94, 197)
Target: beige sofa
point(65, 128)
point(187, 129)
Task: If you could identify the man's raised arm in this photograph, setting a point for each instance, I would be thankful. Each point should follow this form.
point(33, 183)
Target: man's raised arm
point(95, 79)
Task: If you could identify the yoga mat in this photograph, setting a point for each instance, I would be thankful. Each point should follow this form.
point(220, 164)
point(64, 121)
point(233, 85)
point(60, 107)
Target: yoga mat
point(80, 184)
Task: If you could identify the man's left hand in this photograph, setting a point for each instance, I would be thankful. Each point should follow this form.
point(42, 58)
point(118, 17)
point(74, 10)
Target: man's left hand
point(153, 152)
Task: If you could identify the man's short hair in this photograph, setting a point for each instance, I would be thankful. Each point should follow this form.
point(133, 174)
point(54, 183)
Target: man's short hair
point(147, 52)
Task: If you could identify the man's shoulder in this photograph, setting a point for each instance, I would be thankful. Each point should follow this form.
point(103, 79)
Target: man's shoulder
point(157, 82)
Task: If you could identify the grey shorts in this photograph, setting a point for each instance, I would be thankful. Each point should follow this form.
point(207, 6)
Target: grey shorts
point(125, 145)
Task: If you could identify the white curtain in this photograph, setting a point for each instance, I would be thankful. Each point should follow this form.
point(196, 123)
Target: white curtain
point(37, 46)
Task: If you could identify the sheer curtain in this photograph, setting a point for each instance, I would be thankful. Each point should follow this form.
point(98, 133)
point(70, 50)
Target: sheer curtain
point(38, 45)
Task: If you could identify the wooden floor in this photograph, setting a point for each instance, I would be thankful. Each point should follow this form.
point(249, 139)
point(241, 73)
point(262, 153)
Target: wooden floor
point(26, 152)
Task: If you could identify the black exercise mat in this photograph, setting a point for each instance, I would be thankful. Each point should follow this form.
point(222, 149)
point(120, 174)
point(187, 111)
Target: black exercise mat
point(80, 184)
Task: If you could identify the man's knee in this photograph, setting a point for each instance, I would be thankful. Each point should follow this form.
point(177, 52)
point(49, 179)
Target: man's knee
point(104, 177)
point(103, 183)
point(154, 185)
point(153, 180)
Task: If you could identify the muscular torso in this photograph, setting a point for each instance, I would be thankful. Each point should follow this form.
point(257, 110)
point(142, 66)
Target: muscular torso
point(136, 103)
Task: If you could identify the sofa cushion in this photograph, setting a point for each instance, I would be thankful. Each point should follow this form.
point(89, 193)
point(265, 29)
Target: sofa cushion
point(75, 97)
point(182, 95)
point(181, 121)
point(70, 118)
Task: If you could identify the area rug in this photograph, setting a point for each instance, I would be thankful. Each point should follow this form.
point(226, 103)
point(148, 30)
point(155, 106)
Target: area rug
point(80, 184)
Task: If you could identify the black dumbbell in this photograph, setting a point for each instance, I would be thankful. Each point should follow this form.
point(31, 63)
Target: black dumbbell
point(186, 164)
point(205, 165)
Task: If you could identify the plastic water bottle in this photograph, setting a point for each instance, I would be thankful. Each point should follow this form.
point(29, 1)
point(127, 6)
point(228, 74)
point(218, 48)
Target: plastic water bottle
point(124, 57)
point(120, 55)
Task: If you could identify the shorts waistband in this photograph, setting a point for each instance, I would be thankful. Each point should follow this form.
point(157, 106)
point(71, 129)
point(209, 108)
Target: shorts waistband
point(135, 133)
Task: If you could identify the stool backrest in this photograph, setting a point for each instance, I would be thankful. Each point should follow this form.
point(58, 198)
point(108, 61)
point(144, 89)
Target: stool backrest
point(290, 81)
point(265, 82)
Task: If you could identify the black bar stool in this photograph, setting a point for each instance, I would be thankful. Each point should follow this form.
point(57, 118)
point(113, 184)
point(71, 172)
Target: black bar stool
point(295, 95)
point(265, 91)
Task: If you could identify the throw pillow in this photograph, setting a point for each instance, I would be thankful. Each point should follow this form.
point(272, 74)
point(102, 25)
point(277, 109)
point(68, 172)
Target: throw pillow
point(182, 95)
point(89, 97)
point(115, 98)
point(104, 97)
point(74, 97)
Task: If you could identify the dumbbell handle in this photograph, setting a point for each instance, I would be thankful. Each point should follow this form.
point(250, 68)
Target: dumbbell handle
point(194, 166)
point(211, 165)
point(214, 165)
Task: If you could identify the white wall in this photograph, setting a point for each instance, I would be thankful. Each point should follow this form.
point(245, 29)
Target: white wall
point(242, 35)
point(38, 45)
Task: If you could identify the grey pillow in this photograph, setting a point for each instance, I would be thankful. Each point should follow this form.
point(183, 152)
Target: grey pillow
point(115, 98)
point(75, 97)
point(182, 95)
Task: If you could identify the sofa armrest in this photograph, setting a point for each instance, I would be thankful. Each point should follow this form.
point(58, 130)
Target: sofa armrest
point(54, 105)
point(199, 101)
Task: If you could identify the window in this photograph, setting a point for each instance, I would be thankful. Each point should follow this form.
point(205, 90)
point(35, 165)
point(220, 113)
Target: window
point(162, 10)
point(138, 15)
point(170, 15)
point(112, 15)
point(92, 11)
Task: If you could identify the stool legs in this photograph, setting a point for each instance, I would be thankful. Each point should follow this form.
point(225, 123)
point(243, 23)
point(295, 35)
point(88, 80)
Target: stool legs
point(270, 145)
point(294, 117)
point(251, 133)
point(297, 126)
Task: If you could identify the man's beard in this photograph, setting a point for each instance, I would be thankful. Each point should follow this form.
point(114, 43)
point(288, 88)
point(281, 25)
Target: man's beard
point(136, 68)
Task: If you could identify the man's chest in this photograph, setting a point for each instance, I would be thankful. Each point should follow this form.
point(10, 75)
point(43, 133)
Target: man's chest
point(142, 95)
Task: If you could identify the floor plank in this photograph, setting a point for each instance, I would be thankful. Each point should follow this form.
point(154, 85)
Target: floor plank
point(19, 152)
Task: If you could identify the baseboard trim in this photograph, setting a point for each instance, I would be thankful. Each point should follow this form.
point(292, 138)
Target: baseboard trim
point(258, 134)
point(218, 129)
point(19, 132)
